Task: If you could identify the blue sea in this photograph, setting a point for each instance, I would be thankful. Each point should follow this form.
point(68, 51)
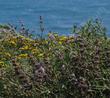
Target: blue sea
point(59, 15)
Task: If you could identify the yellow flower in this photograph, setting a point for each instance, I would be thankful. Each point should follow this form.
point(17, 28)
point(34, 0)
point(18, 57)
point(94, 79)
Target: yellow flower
point(41, 55)
point(25, 48)
point(63, 38)
point(60, 42)
point(13, 43)
point(1, 64)
point(35, 51)
point(7, 54)
point(46, 41)
point(56, 35)
point(22, 56)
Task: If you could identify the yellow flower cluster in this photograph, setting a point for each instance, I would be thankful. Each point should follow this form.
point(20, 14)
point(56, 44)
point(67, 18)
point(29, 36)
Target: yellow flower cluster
point(22, 46)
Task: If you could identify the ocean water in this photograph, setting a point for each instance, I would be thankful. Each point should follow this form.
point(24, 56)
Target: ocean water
point(59, 15)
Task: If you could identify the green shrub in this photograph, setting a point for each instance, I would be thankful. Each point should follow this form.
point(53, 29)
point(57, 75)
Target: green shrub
point(57, 67)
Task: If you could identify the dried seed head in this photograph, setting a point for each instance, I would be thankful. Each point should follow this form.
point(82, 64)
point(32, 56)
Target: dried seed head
point(39, 73)
point(21, 75)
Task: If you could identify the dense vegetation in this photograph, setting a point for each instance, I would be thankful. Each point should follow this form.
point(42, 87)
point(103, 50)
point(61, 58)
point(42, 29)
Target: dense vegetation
point(56, 66)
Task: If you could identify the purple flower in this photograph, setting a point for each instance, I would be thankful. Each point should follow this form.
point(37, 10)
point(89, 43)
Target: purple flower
point(51, 36)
